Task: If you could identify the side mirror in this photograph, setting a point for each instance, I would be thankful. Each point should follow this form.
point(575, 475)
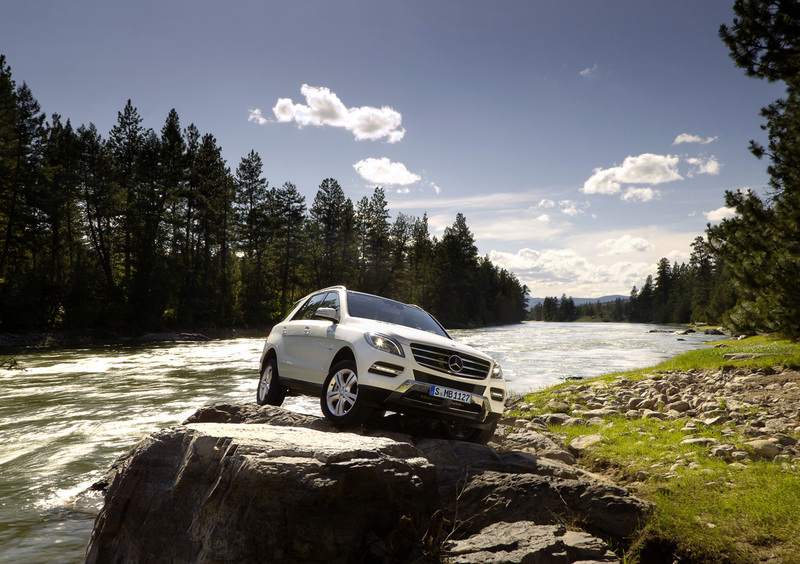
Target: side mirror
point(327, 313)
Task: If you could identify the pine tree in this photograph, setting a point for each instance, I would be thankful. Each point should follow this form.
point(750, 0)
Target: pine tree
point(373, 227)
point(332, 240)
point(22, 136)
point(761, 245)
point(420, 262)
point(455, 263)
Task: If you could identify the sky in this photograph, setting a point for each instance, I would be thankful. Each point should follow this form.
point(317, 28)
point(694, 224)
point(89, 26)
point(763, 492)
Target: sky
point(582, 140)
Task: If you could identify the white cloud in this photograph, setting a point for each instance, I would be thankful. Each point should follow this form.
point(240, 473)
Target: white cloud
point(324, 107)
point(590, 72)
point(547, 204)
point(646, 168)
point(626, 244)
point(436, 188)
point(689, 138)
point(255, 115)
point(640, 194)
point(383, 171)
point(544, 218)
point(708, 165)
point(572, 208)
point(719, 214)
point(557, 271)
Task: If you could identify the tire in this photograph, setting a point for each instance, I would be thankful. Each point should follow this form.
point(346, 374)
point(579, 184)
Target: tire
point(340, 400)
point(457, 432)
point(269, 391)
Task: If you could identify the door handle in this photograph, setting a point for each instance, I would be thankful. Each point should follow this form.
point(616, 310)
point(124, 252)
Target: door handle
point(307, 330)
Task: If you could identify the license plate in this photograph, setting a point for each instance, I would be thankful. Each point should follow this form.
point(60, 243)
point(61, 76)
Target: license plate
point(450, 394)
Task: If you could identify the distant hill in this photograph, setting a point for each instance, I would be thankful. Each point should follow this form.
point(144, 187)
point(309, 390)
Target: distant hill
point(580, 301)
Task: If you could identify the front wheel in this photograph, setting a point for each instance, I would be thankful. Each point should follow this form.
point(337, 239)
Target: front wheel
point(341, 402)
point(269, 391)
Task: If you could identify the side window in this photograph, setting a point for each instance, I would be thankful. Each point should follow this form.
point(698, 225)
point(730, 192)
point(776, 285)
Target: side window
point(308, 309)
point(331, 300)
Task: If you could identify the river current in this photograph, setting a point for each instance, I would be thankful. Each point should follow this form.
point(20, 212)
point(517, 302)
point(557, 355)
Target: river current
point(65, 415)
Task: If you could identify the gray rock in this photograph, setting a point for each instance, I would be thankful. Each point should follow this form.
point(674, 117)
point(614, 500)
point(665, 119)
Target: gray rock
point(535, 443)
point(700, 441)
point(633, 403)
point(524, 541)
point(722, 451)
point(491, 497)
point(288, 489)
point(765, 448)
point(233, 492)
point(579, 444)
point(680, 406)
point(555, 418)
point(718, 420)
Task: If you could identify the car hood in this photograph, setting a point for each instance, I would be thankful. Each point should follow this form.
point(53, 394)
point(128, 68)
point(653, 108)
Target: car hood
point(408, 335)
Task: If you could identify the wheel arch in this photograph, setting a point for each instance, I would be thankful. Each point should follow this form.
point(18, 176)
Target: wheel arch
point(270, 355)
point(345, 353)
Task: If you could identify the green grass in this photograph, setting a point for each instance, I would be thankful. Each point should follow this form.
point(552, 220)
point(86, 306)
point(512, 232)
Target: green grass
point(711, 358)
point(707, 510)
point(729, 514)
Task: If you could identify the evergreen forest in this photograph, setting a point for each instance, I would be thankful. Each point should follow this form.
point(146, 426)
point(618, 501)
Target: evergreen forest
point(143, 230)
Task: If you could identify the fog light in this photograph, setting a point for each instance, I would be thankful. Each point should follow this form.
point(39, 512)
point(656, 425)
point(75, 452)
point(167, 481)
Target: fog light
point(386, 369)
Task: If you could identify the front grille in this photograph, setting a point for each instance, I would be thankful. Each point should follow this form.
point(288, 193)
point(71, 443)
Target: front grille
point(448, 383)
point(439, 359)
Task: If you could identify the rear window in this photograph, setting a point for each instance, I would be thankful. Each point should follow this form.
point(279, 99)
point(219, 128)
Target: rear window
point(367, 306)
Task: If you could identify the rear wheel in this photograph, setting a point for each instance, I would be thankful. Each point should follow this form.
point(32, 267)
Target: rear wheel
point(269, 391)
point(341, 402)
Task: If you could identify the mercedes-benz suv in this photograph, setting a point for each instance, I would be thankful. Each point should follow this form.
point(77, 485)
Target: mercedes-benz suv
point(364, 355)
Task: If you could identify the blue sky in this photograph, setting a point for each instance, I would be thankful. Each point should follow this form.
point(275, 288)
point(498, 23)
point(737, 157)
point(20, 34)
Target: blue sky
point(582, 140)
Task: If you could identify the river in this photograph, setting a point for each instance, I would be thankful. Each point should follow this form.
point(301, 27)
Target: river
point(65, 415)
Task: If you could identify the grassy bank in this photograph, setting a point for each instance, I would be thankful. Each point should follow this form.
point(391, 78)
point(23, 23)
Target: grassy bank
point(708, 509)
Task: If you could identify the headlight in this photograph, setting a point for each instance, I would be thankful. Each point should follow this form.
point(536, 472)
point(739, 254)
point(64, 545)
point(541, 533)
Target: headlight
point(384, 343)
point(497, 372)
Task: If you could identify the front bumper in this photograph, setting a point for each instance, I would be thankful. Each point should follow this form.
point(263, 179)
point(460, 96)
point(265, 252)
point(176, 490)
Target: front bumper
point(414, 397)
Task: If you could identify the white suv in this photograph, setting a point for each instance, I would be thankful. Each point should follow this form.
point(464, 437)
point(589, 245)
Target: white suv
point(364, 355)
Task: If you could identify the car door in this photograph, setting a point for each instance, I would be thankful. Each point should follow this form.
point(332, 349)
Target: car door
point(309, 341)
point(291, 364)
point(320, 342)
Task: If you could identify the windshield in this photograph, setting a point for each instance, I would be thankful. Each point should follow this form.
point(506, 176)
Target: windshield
point(367, 306)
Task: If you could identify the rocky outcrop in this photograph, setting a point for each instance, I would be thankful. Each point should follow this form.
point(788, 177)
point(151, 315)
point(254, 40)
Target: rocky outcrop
point(242, 483)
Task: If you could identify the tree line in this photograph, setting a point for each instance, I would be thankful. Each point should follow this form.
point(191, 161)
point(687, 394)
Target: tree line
point(142, 229)
point(699, 292)
point(744, 272)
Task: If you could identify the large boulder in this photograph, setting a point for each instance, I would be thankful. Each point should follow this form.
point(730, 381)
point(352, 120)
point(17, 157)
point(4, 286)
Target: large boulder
point(212, 492)
point(241, 483)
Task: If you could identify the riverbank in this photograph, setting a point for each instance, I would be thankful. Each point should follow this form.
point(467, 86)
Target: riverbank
point(96, 338)
point(710, 436)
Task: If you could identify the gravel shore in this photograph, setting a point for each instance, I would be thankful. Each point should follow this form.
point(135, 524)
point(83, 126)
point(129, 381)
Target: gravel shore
point(762, 406)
